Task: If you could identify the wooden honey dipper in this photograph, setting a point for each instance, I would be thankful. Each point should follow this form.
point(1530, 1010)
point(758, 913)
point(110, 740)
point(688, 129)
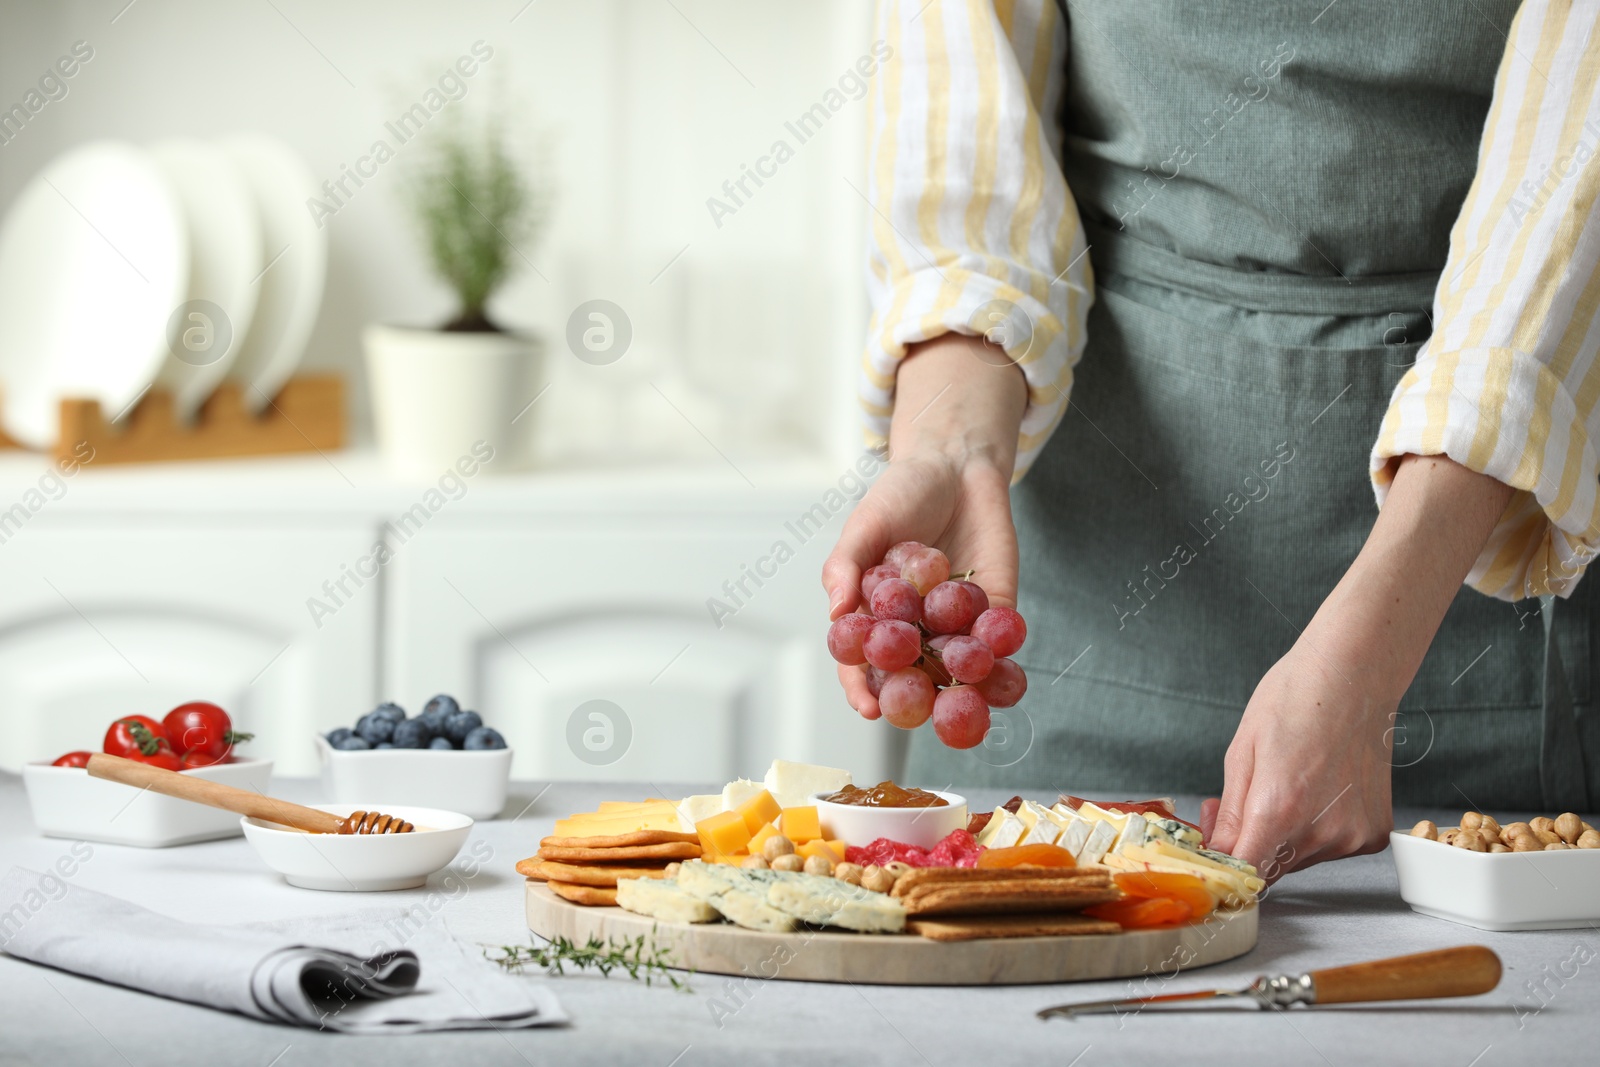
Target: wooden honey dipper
point(242, 801)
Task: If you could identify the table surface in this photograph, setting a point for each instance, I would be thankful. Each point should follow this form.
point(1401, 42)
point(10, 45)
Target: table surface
point(1335, 913)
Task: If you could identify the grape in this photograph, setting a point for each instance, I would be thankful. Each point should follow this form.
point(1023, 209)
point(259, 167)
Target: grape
point(845, 637)
point(896, 598)
point(948, 608)
point(907, 698)
point(1002, 629)
point(980, 599)
point(933, 668)
point(925, 568)
point(897, 553)
point(960, 717)
point(875, 679)
point(874, 575)
point(968, 659)
point(1006, 684)
point(892, 644)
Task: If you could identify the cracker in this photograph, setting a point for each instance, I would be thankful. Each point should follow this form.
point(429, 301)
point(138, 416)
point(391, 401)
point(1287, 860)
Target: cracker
point(671, 850)
point(585, 874)
point(638, 837)
point(587, 895)
point(970, 929)
point(1004, 897)
point(926, 875)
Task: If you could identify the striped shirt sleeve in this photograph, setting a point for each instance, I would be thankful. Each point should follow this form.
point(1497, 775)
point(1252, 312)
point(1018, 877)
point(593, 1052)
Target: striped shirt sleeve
point(1508, 383)
point(973, 230)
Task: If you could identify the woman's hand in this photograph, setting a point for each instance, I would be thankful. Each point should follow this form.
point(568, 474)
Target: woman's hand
point(952, 446)
point(1307, 775)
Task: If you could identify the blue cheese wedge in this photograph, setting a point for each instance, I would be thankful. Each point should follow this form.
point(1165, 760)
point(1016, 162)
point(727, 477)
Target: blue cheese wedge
point(1003, 831)
point(662, 898)
point(1178, 833)
point(829, 902)
point(740, 899)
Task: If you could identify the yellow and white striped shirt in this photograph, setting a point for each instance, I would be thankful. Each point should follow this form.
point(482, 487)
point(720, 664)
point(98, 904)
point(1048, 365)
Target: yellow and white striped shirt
point(970, 209)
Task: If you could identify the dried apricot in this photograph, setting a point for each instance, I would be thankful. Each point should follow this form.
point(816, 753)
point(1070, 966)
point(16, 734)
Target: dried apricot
point(1147, 885)
point(1026, 855)
point(1142, 914)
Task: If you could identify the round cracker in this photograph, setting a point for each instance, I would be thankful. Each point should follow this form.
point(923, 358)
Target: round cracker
point(588, 895)
point(672, 850)
point(638, 837)
point(590, 873)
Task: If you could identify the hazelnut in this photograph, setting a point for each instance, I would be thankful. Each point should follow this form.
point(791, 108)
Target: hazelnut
point(1498, 847)
point(1488, 838)
point(753, 863)
point(1469, 840)
point(1541, 823)
point(775, 846)
point(1589, 839)
point(897, 867)
point(1448, 835)
point(1491, 825)
point(1513, 829)
point(1471, 820)
point(1526, 843)
point(1547, 836)
point(818, 865)
point(1556, 846)
point(1426, 829)
point(877, 879)
point(789, 862)
point(849, 873)
point(1569, 826)
point(672, 870)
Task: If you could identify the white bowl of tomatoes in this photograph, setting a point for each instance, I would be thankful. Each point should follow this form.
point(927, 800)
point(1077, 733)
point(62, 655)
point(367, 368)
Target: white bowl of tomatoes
point(195, 738)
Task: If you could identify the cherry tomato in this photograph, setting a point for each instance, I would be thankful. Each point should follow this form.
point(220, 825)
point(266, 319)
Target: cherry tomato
point(72, 759)
point(202, 730)
point(195, 758)
point(137, 735)
point(163, 759)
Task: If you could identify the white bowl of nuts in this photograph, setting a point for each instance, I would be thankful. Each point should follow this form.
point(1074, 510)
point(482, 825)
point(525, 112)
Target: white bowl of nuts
point(1543, 874)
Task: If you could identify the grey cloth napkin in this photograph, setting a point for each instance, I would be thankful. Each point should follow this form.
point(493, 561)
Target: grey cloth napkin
point(377, 971)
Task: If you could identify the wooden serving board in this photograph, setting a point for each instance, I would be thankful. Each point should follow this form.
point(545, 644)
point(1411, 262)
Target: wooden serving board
point(902, 959)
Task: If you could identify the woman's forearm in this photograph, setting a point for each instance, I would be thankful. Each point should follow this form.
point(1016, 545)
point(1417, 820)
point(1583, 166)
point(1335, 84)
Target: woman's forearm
point(958, 397)
point(1380, 619)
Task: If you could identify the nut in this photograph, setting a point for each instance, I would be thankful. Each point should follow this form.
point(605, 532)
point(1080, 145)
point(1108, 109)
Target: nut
point(897, 867)
point(673, 869)
point(1569, 826)
point(1471, 820)
point(1471, 841)
point(819, 865)
point(1498, 847)
point(1547, 836)
point(1426, 829)
point(1448, 835)
point(1541, 823)
point(1589, 839)
point(1526, 843)
point(1491, 824)
point(775, 846)
point(1513, 829)
point(877, 879)
point(1489, 838)
point(1556, 846)
point(753, 863)
point(789, 862)
point(849, 873)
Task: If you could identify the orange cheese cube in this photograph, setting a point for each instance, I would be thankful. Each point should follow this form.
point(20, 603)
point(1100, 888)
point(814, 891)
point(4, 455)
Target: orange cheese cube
point(760, 838)
point(833, 850)
point(801, 824)
point(759, 810)
point(724, 832)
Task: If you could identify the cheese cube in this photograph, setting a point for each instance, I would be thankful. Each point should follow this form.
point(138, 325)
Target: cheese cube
point(793, 784)
point(692, 810)
point(737, 792)
point(800, 824)
point(759, 810)
point(1003, 831)
point(724, 832)
point(760, 838)
point(833, 850)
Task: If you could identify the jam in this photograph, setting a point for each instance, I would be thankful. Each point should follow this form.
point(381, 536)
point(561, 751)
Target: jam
point(887, 795)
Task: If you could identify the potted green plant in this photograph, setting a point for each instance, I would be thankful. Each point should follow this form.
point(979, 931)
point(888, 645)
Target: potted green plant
point(436, 392)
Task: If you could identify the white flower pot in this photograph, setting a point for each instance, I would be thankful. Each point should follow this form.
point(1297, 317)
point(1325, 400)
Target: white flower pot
point(435, 394)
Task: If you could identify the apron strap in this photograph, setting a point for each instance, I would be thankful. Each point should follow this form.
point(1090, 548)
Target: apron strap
point(1562, 778)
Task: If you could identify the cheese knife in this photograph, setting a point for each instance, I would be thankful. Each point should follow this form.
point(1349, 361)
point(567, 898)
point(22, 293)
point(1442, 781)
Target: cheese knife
point(1450, 972)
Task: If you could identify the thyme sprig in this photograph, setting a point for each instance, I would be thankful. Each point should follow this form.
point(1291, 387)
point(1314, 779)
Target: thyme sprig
point(632, 956)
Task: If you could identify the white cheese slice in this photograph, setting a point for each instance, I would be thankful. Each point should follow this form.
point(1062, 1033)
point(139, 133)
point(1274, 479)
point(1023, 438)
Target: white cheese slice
point(1031, 812)
point(1101, 838)
point(793, 784)
point(739, 791)
point(693, 809)
point(1043, 832)
point(1075, 836)
point(1094, 812)
point(1003, 831)
point(1135, 831)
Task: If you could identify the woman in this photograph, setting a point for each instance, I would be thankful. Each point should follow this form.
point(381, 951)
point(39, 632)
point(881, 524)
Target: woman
point(1239, 222)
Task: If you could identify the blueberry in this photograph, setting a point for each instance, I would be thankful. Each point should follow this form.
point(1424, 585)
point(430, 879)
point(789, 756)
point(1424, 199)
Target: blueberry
point(413, 733)
point(352, 743)
point(459, 725)
point(335, 736)
point(444, 704)
point(384, 744)
point(390, 710)
point(484, 737)
point(441, 742)
point(375, 727)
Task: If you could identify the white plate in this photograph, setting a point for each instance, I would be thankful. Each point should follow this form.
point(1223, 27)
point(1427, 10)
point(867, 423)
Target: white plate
point(1499, 890)
point(855, 824)
point(66, 802)
point(224, 259)
point(93, 261)
point(361, 863)
point(294, 264)
point(471, 782)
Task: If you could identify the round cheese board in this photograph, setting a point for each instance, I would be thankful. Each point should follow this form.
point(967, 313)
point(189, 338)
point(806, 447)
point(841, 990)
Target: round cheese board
point(901, 959)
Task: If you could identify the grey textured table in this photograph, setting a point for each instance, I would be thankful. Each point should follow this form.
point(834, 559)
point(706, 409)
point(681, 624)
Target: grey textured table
point(1336, 913)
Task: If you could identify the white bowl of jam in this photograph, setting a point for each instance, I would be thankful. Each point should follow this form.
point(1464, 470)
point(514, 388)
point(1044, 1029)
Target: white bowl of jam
point(911, 816)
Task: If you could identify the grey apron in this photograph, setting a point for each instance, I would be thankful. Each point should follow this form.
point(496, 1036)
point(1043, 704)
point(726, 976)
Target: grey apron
point(1268, 195)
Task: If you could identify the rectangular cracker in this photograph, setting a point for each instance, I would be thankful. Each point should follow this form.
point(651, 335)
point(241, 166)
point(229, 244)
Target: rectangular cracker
point(584, 873)
point(587, 895)
point(638, 837)
point(989, 898)
point(965, 875)
point(669, 850)
point(986, 926)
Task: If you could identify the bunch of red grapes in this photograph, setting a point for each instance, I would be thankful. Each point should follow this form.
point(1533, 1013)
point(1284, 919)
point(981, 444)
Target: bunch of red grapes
point(933, 646)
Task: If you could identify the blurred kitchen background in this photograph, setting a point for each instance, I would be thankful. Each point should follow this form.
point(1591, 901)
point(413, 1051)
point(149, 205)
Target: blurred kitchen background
point(632, 481)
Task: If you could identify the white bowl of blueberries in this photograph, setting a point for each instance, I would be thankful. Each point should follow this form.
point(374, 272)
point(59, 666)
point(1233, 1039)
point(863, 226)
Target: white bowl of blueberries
point(444, 757)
